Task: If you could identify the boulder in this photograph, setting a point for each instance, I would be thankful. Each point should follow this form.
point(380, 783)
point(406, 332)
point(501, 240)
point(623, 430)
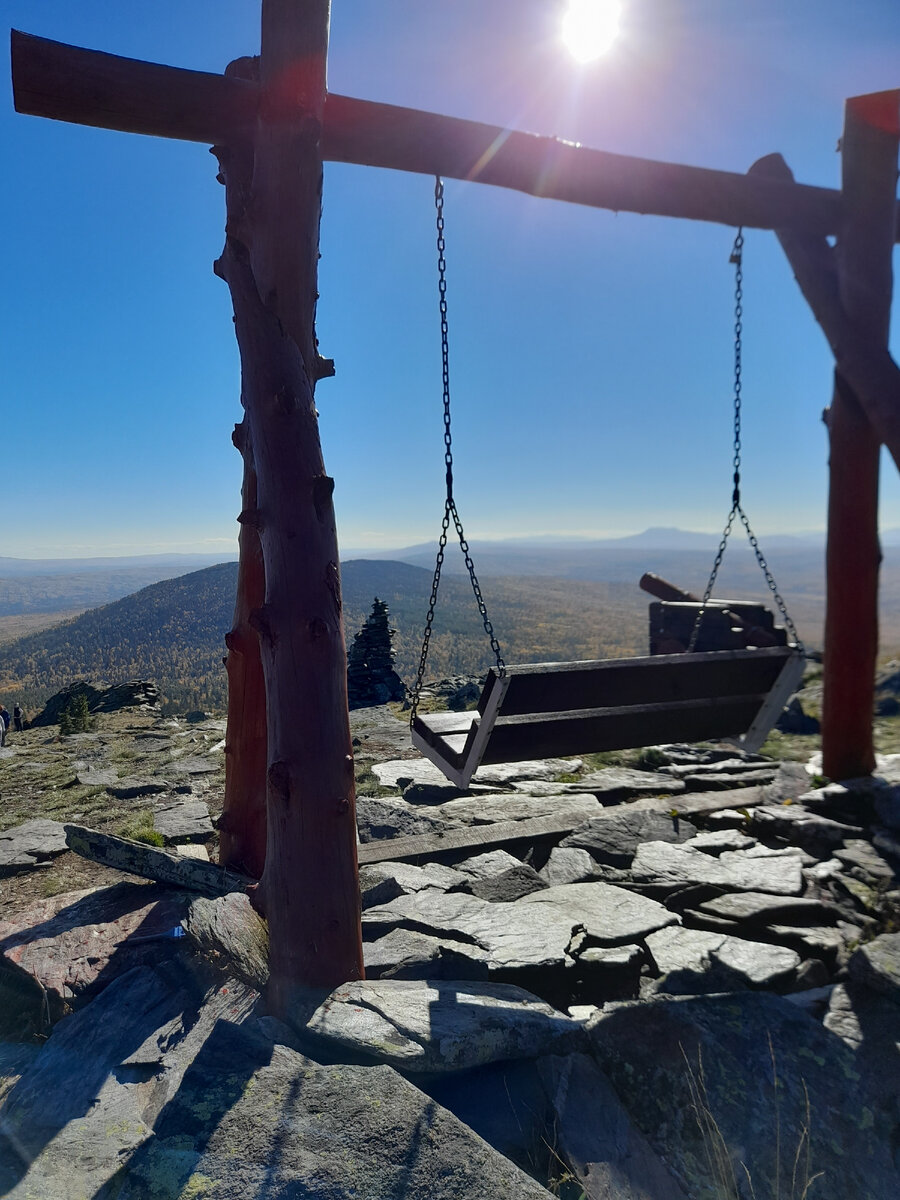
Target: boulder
point(876, 965)
point(230, 930)
point(608, 1154)
point(483, 866)
point(382, 882)
point(420, 1026)
point(78, 941)
point(698, 1077)
point(608, 916)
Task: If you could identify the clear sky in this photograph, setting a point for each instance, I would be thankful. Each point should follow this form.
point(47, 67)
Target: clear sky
point(591, 354)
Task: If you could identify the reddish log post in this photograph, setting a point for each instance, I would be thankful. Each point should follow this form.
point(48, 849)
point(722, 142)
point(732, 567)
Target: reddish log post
point(309, 889)
point(864, 249)
point(242, 826)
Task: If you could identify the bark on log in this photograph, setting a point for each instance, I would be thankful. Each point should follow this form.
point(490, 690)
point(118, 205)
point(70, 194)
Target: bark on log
point(242, 826)
point(151, 862)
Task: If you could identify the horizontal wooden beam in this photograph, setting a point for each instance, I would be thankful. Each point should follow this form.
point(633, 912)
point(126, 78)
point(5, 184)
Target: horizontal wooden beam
point(535, 829)
point(87, 87)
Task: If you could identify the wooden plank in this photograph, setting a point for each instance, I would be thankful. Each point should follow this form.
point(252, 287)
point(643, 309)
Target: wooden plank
point(615, 683)
point(68, 83)
point(152, 862)
point(517, 738)
point(482, 837)
point(87, 87)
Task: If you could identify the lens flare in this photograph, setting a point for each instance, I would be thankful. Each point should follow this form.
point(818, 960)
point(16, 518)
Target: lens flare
point(590, 27)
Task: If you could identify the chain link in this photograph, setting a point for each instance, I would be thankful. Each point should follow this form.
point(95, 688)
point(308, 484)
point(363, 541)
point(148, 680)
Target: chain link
point(450, 510)
point(737, 258)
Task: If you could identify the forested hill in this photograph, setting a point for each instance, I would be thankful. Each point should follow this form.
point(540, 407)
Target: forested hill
point(172, 632)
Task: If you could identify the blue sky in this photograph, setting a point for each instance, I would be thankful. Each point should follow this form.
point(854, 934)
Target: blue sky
point(591, 353)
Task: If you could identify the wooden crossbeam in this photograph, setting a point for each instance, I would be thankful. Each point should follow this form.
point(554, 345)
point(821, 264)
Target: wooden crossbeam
point(67, 83)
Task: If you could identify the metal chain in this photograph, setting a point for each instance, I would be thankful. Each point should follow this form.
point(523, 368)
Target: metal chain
point(450, 509)
point(737, 258)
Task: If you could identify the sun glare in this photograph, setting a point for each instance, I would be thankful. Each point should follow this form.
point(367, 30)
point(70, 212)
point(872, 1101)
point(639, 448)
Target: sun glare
point(590, 27)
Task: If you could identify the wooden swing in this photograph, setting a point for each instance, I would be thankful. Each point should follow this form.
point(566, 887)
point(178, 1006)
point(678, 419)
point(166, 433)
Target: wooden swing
point(544, 710)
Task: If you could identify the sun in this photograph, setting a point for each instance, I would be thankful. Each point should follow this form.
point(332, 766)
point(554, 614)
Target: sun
point(590, 27)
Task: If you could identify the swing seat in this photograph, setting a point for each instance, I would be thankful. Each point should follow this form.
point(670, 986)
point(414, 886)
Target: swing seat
point(545, 710)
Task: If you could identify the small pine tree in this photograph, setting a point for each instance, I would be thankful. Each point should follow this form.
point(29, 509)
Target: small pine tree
point(75, 717)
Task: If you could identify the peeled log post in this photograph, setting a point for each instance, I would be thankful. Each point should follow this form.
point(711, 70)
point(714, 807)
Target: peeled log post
point(853, 555)
point(309, 889)
point(242, 826)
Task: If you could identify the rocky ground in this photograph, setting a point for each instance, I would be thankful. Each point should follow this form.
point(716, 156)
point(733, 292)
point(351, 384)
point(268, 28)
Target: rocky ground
point(675, 975)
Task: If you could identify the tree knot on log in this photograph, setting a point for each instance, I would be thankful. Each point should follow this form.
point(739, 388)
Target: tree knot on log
point(279, 777)
point(259, 621)
point(343, 806)
point(324, 368)
point(251, 517)
point(240, 437)
point(323, 490)
point(285, 401)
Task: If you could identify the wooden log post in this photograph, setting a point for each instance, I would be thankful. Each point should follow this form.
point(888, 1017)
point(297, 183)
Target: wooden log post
point(853, 556)
point(309, 888)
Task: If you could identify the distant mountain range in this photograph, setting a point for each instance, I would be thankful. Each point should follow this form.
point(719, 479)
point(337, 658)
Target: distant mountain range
point(547, 602)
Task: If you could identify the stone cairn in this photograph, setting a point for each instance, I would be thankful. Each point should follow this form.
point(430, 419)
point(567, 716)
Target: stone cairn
point(371, 678)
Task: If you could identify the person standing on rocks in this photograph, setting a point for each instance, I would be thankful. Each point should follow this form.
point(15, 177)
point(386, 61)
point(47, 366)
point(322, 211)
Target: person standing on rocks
point(18, 717)
point(4, 723)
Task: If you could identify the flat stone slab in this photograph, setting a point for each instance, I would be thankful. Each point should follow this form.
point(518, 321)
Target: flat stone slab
point(519, 806)
point(509, 886)
point(483, 866)
point(678, 951)
point(609, 916)
point(762, 908)
point(96, 776)
point(861, 854)
point(133, 789)
point(452, 1026)
point(614, 838)
point(68, 941)
point(405, 954)
point(190, 765)
point(406, 771)
point(183, 820)
point(382, 882)
point(380, 818)
point(29, 844)
point(534, 932)
point(820, 835)
point(676, 866)
point(567, 864)
point(876, 965)
point(715, 841)
point(612, 785)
